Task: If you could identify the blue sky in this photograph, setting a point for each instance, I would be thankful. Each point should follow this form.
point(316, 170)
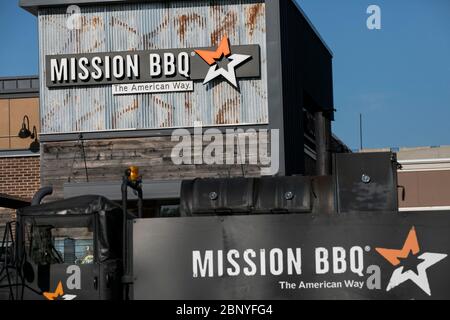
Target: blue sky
point(18, 40)
point(397, 77)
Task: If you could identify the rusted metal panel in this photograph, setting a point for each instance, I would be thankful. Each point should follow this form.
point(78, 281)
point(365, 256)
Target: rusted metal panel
point(144, 26)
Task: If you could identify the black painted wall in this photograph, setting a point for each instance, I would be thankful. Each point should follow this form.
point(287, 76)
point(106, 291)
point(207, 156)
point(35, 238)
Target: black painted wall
point(307, 81)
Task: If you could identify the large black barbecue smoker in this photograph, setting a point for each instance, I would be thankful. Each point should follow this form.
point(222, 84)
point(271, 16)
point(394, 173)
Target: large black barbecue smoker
point(79, 249)
point(92, 248)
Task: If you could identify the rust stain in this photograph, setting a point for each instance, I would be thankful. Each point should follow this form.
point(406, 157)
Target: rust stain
point(74, 36)
point(127, 109)
point(132, 107)
point(97, 44)
point(147, 38)
point(53, 21)
point(188, 102)
point(227, 27)
point(98, 108)
point(259, 90)
point(166, 106)
point(115, 21)
point(53, 108)
point(254, 12)
point(216, 9)
point(184, 20)
point(97, 21)
point(113, 122)
point(227, 108)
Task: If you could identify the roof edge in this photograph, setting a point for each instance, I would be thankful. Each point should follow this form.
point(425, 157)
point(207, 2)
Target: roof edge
point(313, 28)
point(33, 6)
point(19, 85)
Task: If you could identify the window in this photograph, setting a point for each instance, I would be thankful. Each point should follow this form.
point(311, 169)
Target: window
point(169, 211)
point(160, 209)
point(12, 113)
point(56, 241)
point(75, 245)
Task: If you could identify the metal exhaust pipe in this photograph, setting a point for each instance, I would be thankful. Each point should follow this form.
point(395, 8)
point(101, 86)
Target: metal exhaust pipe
point(40, 195)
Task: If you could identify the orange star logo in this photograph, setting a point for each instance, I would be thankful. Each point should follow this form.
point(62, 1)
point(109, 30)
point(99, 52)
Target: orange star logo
point(394, 256)
point(210, 57)
point(59, 292)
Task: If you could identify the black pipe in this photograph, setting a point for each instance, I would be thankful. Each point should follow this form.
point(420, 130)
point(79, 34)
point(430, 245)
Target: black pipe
point(323, 143)
point(41, 194)
point(140, 201)
point(125, 277)
point(84, 157)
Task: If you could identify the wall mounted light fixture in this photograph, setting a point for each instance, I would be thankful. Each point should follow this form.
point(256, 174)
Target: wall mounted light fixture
point(35, 145)
point(25, 130)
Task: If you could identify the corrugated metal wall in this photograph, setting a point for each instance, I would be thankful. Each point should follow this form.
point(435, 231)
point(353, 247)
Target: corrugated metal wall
point(181, 24)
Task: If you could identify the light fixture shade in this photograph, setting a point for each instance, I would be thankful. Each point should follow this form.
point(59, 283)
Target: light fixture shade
point(24, 132)
point(35, 146)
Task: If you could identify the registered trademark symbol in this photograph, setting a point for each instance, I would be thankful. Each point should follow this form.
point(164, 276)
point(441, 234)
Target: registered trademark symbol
point(367, 248)
point(193, 53)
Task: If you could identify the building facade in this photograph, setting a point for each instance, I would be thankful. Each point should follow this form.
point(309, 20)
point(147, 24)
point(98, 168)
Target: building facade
point(425, 175)
point(19, 147)
point(117, 78)
point(423, 178)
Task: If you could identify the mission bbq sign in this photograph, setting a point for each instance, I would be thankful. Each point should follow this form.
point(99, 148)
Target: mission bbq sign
point(304, 256)
point(172, 70)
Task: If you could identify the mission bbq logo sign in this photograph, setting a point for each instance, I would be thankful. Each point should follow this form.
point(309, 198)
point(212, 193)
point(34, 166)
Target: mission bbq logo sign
point(327, 261)
point(155, 71)
point(351, 256)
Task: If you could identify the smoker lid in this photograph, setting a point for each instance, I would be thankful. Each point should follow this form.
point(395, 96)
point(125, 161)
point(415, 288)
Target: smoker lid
point(84, 205)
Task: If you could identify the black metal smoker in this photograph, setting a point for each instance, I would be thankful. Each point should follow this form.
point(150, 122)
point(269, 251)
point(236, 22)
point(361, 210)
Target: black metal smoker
point(82, 247)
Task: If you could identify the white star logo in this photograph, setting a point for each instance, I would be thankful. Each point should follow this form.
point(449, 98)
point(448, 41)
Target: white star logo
point(222, 52)
point(411, 246)
point(420, 279)
point(69, 297)
point(215, 71)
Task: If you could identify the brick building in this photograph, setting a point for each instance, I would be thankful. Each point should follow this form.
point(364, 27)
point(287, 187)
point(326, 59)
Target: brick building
point(19, 156)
